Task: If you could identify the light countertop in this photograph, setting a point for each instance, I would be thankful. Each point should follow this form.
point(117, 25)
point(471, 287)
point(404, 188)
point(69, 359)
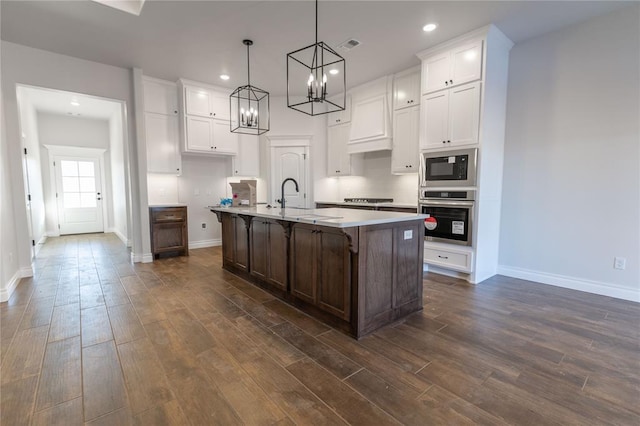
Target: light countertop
point(333, 217)
point(168, 205)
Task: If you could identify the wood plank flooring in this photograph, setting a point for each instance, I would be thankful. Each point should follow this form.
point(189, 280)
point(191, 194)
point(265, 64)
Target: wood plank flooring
point(95, 340)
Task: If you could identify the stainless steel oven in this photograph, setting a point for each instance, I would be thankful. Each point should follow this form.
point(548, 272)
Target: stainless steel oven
point(450, 215)
point(446, 169)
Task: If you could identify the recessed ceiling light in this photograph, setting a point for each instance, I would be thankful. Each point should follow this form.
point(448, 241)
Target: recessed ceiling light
point(224, 77)
point(429, 27)
point(334, 71)
point(75, 103)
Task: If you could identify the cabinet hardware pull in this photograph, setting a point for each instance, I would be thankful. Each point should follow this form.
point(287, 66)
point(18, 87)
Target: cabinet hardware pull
point(444, 141)
point(448, 141)
point(443, 257)
point(210, 113)
point(451, 81)
point(175, 111)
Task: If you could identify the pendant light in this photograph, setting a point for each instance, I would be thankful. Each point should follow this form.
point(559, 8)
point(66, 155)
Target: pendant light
point(316, 78)
point(249, 106)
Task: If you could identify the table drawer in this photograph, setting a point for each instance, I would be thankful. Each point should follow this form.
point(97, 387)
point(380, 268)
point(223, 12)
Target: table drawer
point(164, 214)
point(459, 261)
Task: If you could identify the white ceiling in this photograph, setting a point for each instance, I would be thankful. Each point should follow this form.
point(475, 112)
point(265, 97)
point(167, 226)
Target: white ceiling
point(59, 102)
point(200, 40)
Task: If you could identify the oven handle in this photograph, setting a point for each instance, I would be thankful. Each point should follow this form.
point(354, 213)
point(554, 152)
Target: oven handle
point(447, 203)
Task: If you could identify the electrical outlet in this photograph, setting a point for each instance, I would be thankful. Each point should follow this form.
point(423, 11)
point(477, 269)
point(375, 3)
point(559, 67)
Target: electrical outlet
point(619, 263)
point(204, 225)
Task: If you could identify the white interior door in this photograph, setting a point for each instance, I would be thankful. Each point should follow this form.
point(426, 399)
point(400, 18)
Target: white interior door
point(79, 194)
point(289, 162)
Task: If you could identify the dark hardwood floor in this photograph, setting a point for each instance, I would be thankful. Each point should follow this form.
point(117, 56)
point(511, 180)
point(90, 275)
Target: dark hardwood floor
point(93, 339)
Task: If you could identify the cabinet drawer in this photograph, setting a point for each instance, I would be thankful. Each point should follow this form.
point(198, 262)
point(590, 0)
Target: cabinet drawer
point(169, 215)
point(460, 261)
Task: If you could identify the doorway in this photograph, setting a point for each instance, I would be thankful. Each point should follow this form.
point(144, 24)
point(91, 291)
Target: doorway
point(79, 194)
point(289, 161)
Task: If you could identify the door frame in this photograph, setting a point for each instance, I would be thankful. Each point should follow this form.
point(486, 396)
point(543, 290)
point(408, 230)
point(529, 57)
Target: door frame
point(75, 151)
point(297, 141)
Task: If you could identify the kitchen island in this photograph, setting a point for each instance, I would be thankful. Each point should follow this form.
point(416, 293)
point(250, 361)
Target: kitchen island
point(356, 270)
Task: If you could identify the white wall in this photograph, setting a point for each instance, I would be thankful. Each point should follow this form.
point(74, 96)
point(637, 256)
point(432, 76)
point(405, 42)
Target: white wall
point(571, 176)
point(64, 130)
point(9, 270)
point(378, 182)
point(119, 190)
point(25, 65)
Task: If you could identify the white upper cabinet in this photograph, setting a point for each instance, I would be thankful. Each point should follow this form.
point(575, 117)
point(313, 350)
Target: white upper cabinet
point(406, 91)
point(160, 97)
point(452, 68)
point(339, 162)
point(224, 142)
point(406, 131)
point(451, 117)
point(211, 136)
point(340, 117)
point(247, 162)
point(206, 103)
point(369, 119)
point(163, 155)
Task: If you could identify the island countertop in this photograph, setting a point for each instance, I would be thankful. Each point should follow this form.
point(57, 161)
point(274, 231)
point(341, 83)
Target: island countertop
point(332, 217)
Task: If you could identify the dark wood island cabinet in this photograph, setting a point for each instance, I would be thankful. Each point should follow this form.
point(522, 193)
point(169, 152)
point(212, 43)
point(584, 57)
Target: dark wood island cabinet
point(356, 278)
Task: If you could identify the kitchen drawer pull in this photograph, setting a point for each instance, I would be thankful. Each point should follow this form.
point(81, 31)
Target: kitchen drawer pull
point(443, 257)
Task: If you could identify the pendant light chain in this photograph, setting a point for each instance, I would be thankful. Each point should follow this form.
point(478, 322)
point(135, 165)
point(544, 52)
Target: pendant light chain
point(249, 104)
point(248, 67)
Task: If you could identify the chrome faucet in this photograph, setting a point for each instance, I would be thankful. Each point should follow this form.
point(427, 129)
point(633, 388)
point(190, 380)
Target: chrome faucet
point(282, 190)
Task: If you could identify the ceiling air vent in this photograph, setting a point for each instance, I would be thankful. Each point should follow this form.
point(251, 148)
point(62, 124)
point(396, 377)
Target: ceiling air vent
point(346, 46)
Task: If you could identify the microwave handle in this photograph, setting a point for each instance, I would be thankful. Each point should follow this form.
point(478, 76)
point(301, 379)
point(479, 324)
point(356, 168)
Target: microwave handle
point(448, 203)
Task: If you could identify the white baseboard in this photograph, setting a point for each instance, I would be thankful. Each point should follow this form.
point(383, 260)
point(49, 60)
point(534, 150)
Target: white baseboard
point(39, 244)
point(141, 258)
point(447, 272)
point(7, 290)
point(26, 272)
point(573, 283)
point(119, 235)
point(53, 234)
point(205, 243)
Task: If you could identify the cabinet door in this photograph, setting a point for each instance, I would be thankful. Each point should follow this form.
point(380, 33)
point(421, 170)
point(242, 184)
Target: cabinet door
point(224, 142)
point(334, 273)
point(228, 238)
point(338, 159)
point(197, 101)
point(259, 248)
point(219, 105)
point(199, 134)
point(303, 262)
point(340, 117)
point(435, 115)
point(163, 155)
point(407, 266)
point(464, 114)
point(241, 236)
point(161, 98)
point(369, 119)
point(277, 249)
point(247, 162)
point(406, 132)
point(466, 63)
point(406, 92)
point(436, 72)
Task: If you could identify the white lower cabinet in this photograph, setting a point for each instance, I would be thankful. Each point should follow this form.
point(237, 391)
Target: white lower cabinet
point(451, 117)
point(406, 132)
point(210, 135)
point(449, 258)
point(247, 162)
point(339, 162)
point(163, 152)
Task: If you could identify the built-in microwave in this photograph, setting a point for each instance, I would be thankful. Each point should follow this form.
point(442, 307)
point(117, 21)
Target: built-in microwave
point(446, 169)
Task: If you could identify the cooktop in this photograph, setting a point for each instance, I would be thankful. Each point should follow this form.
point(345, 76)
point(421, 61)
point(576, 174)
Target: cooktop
point(368, 200)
